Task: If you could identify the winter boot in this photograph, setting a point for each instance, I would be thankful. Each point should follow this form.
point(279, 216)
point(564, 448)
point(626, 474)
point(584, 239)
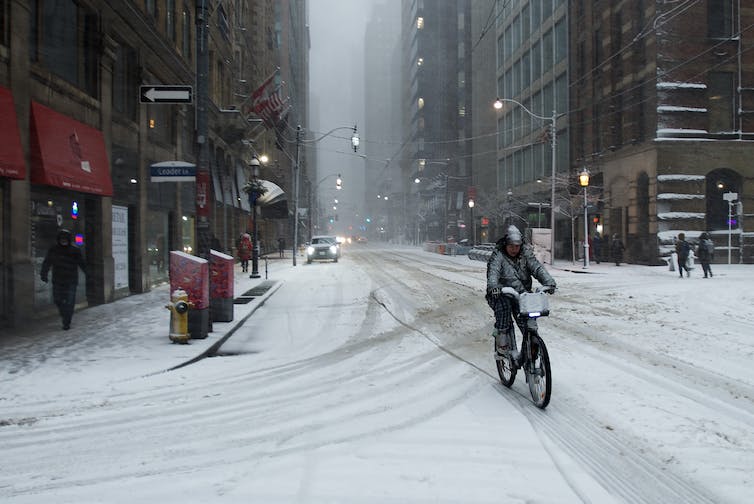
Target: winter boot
point(505, 344)
point(514, 353)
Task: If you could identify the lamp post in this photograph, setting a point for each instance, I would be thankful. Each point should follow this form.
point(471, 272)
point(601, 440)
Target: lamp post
point(584, 181)
point(253, 195)
point(473, 222)
point(338, 186)
point(299, 142)
point(730, 197)
point(553, 142)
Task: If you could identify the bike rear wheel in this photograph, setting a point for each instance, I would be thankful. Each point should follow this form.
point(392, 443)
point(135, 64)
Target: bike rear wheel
point(506, 369)
point(537, 371)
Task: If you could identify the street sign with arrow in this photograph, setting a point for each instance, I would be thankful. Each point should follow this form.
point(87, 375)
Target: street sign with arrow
point(165, 94)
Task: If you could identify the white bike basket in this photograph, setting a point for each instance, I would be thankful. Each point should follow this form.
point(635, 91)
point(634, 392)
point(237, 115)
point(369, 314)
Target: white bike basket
point(534, 303)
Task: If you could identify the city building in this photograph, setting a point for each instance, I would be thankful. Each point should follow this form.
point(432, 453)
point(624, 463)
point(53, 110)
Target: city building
point(662, 114)
point(436, 47)
point(85, 117)
point(532, 88)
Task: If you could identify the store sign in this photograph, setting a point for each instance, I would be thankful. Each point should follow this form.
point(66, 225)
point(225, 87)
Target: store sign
point(173, 171)
point(120, 246)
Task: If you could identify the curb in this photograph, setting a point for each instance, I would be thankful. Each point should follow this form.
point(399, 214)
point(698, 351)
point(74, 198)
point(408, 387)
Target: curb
point(219, 343)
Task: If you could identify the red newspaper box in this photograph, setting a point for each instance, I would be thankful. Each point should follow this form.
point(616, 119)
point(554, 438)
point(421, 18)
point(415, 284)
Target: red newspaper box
point(221, 286)
point(191, 274)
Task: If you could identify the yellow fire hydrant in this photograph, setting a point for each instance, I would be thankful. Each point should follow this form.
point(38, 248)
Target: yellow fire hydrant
point(179, 306)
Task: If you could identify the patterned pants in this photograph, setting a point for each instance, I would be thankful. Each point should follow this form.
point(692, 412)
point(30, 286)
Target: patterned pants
point(504, 307)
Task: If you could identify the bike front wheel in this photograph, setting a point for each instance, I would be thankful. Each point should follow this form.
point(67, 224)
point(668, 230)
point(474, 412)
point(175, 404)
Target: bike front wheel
point(538, 372)
point(506, 369)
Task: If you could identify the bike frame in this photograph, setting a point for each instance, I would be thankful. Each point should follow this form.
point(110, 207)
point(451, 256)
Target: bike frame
point(536, 365)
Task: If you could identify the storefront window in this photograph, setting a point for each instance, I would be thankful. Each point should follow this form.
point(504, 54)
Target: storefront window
point(157, 246)
point(51, 211)
point(189, 243)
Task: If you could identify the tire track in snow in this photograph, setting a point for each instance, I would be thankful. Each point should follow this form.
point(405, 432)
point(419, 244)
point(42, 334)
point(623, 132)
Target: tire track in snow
point(621, 469)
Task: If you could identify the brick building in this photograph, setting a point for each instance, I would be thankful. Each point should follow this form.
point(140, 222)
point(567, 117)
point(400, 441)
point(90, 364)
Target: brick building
point(661, 114)
point(79, 141)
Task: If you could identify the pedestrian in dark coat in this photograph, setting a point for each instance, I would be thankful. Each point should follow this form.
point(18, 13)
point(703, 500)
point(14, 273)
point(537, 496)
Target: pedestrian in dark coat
point(64, 259)
point(597, 247)
point(705, 251)
point(616, 249)
point(682, 249)
point(281, 247)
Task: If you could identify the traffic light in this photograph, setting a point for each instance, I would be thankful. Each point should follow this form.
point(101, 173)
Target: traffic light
point(339, 183)
point(331, 219)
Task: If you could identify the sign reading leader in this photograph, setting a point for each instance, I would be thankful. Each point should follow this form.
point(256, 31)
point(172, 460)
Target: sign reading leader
point(166, 94)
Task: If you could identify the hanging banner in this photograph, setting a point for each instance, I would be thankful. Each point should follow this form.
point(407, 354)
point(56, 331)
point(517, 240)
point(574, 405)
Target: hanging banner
point(202, 193)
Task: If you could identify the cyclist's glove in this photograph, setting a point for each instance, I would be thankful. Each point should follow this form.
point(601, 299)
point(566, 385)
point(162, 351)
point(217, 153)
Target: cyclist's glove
point(550, 289)
point(495, 292)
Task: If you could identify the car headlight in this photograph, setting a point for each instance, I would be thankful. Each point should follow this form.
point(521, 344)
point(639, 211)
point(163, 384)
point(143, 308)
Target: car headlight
point(333, 249)
point(310, 250)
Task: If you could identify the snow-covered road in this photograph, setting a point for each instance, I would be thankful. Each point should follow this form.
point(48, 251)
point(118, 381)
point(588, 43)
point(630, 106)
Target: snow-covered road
point(372, 380)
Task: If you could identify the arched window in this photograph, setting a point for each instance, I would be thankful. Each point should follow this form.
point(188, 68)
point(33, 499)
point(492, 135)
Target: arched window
point(719, 182)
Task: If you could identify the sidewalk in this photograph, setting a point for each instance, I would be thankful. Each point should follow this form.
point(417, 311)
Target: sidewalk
point(129, 337)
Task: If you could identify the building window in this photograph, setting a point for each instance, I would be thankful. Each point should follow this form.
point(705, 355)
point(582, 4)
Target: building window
point(536, 62)
point(186, 33)
point(170, 19)
point(223, 25)
point(151, 6)
point(720, 18)
point(65, 40)
point(561, 41)
point(547, 61)
point(4, 28)
point(419, 23)
point(160, 123)
point(125, 84)
point(720, 101)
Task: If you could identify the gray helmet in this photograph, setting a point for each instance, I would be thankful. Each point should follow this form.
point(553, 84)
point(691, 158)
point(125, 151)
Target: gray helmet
point(513, 236)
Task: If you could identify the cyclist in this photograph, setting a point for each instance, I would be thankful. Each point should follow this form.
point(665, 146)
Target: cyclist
point(512, 264)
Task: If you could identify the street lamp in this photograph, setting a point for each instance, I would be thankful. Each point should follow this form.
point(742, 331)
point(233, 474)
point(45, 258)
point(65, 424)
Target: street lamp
point(254, 193)
point(584, 181)
point(299, 141)
point(553, 139)
point(473, 222)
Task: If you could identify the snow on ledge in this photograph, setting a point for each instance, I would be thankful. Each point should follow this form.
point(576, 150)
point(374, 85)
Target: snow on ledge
point(672, 108)
point(678, 196)
point(668, 178)
point(665, 131)
point(681, 85)
point(681, 215)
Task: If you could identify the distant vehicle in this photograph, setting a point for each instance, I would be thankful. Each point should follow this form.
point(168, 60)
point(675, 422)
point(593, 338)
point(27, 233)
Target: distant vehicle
point(323, 248)
point(361, 239)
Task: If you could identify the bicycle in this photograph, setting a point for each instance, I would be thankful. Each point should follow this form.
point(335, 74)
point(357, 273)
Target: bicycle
point(533, 357)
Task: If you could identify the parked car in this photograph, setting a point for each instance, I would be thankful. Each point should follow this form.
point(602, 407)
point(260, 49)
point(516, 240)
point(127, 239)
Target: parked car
point(323, 248)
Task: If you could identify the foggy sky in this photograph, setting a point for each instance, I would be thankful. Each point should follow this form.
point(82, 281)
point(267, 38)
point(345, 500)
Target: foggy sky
point(336, 73)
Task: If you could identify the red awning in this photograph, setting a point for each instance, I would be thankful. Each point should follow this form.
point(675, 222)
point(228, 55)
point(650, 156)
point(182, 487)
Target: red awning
point(11, 156)
point(69, 154)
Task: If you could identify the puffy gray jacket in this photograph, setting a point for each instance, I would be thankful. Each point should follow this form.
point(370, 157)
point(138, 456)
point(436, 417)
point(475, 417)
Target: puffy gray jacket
point(506, 271)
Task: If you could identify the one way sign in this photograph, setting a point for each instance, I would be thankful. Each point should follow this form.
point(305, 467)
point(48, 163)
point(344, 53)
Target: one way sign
point(165, 94)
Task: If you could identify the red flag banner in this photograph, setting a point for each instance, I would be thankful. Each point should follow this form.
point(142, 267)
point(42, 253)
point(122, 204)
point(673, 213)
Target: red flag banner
point(267, 102)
